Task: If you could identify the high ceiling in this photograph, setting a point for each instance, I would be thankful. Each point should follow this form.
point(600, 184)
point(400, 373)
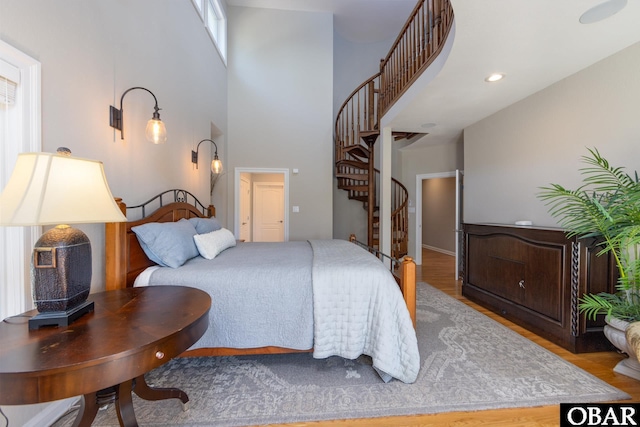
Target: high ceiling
point(355, 20)
point(535, 43)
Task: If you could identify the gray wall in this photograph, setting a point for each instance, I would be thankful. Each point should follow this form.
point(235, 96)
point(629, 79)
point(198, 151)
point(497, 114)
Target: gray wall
point(428, 160)
point(439, 214)
point(540, 140)
point(280, 107)
point(91, 52)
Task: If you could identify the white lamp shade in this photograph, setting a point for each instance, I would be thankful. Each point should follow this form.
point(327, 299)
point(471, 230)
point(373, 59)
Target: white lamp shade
point(47, 189)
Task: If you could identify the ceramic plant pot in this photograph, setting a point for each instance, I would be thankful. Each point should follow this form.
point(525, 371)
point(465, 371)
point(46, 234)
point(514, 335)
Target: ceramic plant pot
point(615, 330)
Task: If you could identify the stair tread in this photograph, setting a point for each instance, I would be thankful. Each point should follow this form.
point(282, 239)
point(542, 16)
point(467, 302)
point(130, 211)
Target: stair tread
point(353, 163)
point(358, 150)
point(354, 176)
point(361, 188)
point(366, 133)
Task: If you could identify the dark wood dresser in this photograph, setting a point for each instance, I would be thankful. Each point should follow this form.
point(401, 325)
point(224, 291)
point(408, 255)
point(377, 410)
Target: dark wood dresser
point(534, 277)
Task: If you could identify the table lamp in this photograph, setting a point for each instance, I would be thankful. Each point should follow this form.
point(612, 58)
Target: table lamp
point(52, 189)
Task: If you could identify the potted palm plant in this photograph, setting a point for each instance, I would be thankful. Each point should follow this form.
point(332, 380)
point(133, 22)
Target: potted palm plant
point(606, 207)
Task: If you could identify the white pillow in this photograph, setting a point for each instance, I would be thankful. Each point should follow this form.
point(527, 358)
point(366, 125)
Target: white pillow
point(211, 244)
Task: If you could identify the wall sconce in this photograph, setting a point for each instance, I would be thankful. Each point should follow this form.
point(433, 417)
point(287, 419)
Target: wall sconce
point(216, 164)
point(155, 131)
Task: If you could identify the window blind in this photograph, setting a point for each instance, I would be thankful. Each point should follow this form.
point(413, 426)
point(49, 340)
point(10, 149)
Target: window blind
point(9, 80)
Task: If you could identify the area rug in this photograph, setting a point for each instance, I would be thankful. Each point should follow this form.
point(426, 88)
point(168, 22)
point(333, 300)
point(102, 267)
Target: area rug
point(469, 362)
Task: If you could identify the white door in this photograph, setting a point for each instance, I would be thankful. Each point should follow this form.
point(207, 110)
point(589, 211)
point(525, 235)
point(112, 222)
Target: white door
point(245, 209)
point(459, 235)
point(268, 212)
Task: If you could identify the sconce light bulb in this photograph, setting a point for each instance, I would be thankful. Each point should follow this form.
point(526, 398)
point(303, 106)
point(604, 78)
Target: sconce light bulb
point(216, 165)
point(156, 132)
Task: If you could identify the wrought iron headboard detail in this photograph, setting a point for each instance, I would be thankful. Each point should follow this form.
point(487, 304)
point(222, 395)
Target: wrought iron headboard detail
point(175, 195)
point(395, 263)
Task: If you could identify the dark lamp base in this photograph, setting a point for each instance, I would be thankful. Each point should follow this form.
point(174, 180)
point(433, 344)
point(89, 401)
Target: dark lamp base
point(60, 318)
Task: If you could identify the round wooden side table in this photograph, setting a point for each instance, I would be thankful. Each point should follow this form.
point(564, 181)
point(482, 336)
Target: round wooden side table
point(103, 354)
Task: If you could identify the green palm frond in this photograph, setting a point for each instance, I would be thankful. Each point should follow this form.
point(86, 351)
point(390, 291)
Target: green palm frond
point(605, 207)
point(614, 305)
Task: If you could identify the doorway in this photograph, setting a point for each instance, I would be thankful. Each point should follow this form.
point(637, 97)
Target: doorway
point(261, 204)
point(452, 191)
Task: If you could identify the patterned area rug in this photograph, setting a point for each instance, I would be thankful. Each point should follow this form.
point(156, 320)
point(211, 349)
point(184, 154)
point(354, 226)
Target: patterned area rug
point(469, 362)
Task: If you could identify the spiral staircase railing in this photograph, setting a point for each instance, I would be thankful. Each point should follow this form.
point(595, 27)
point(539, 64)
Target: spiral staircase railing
point(357, 122)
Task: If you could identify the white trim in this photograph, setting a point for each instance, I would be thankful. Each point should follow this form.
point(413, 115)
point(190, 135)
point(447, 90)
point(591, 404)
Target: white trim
point(236, 197)
point(442, 251)
point(219, 36)
point(218, 31)
point(199, 9)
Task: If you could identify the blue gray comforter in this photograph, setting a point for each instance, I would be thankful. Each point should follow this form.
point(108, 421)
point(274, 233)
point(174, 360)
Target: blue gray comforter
point(268, 294)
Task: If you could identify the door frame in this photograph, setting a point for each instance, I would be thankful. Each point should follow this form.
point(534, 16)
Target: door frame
point(418, 199)
point(241, 206)
point(236, 204)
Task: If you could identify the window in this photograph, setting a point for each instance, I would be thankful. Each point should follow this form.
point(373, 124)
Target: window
point(19, 132)
point(199, 5)
point(216, 23)
point(9, 78)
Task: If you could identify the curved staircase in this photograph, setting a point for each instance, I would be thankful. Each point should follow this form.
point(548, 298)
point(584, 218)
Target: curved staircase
point(357, 123)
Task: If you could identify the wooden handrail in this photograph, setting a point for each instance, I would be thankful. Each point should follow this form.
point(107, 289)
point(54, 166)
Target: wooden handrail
point(357, 115)
point(419, 43)
point(399, 217)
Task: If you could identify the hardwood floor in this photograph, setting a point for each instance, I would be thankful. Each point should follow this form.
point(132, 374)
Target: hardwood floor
point(438, 271)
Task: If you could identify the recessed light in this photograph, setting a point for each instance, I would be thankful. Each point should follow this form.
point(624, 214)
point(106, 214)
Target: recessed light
point(428, 125)
point(602, 11)
point(494, 77)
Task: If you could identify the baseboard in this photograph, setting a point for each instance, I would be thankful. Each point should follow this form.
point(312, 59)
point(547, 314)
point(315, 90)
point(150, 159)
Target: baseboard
point(442, 251)
point(52, 412)
point(45, 413)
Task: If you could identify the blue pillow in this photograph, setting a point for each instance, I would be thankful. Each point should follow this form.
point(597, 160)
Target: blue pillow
point(205, 225)
point(168, 244)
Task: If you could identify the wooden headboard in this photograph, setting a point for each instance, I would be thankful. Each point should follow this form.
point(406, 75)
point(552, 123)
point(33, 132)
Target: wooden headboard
point(124, 258)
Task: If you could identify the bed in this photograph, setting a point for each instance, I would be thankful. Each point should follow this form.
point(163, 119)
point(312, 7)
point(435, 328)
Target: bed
point(329, 297)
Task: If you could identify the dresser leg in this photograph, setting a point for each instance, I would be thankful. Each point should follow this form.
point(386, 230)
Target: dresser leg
point(142, 389)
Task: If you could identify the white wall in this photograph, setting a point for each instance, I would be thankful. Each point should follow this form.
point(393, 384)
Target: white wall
point(280, 106)
point(91, 52)
point(539, 140)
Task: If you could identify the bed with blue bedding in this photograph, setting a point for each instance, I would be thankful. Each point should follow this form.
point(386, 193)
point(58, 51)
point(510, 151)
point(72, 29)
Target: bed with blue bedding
point(331, 297)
